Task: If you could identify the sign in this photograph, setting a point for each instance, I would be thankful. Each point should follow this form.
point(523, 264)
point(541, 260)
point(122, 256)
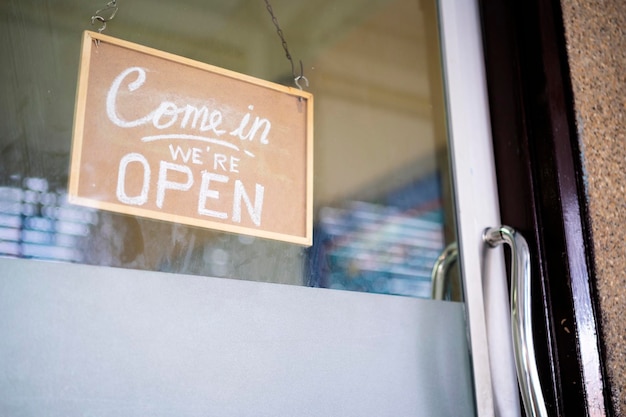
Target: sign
point(165, 137)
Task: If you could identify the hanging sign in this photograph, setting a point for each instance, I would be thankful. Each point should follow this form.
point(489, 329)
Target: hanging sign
point(165, 137)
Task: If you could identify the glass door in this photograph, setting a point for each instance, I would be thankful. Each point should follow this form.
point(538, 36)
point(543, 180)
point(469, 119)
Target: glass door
point(167, 319)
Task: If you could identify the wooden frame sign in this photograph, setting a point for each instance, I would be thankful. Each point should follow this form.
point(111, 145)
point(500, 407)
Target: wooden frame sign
point(165, 137)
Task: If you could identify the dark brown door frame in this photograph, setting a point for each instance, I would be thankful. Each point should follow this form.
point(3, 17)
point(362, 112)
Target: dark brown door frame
point(542, 194)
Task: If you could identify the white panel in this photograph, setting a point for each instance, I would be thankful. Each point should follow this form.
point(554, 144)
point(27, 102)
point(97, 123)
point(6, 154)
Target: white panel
point(477, 208)
point(79, 340)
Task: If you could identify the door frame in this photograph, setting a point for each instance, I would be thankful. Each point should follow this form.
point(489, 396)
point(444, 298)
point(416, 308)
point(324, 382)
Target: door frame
point(477, 208)
point(542, 193)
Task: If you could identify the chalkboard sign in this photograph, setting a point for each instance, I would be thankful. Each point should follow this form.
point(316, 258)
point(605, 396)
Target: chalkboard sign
point(165, 137)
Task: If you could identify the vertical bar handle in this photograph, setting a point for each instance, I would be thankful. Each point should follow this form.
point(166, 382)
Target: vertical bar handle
point(521, 317)
point(441, 268)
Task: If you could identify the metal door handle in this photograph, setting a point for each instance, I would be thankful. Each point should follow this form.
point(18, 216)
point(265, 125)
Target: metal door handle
point(521, 318)
point(439, 274)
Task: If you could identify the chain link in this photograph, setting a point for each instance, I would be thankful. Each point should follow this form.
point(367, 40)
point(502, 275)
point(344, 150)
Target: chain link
point(283, 41)
point(104, 15)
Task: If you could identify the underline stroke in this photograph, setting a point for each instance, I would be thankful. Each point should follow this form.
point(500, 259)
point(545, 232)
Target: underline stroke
point(190, 137)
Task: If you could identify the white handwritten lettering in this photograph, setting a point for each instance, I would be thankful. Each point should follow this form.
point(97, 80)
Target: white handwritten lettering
point(179, 152)
point(207, 122)
point(193, 154)
point(113, 92)
point(196, 156)
point(163, 183)
point(225, 163)
point(177, 176)
point(121, 180)
point(256, 125)
point(206, 193)
point(166, 109)
point(169, 178)
point(254, 212)
point(166, 114)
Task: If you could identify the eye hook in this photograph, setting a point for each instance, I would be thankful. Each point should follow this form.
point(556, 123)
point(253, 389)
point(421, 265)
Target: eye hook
point(297, 81)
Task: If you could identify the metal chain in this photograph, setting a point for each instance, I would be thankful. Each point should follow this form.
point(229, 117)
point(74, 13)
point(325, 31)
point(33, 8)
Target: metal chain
point(281, 35)
point(107, 13)
point(104, 15)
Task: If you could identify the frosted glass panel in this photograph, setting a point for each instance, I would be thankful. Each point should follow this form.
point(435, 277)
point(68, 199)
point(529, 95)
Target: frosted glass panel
point(81, 340)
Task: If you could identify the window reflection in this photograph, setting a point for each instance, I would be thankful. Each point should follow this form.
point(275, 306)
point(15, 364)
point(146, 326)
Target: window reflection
point(385, 248)
point(382, 248)
point(382, 186)
point(36, 222)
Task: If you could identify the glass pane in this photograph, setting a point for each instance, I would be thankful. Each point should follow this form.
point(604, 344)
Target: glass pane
point(382, 207)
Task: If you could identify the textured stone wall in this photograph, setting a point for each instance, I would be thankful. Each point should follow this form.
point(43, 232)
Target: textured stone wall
point(596, 44)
